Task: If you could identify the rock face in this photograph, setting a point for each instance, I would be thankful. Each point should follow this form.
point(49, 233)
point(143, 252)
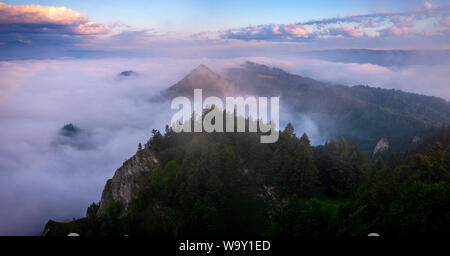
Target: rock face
point(127, 180)
point(53, 228)
point(382, 146)
point(122, 188)
point(128, 73)
point(416, 140)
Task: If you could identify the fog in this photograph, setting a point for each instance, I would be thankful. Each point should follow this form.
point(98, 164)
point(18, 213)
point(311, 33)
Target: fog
point(421, 79)
point(430, 80)
point(44, 176)
point(40, 176)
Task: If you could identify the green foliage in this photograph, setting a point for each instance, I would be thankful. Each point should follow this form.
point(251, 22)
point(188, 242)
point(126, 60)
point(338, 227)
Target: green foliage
point(292, 165)
point(231, 184)
point(313, 217)
point(342, 169)
point(407, 199)
point(91, 211)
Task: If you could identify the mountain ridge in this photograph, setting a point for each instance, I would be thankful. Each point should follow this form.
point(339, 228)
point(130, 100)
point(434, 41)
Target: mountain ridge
point(361, 113)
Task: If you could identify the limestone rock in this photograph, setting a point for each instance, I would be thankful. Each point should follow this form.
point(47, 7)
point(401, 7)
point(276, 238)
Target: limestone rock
point(382, 146)
point(127, 180)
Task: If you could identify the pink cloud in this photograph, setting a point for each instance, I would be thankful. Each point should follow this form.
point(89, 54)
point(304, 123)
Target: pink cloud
point(354, 32)
point(347, 31)
point(372, 24)
point(276, 31)
point(73, 21)
point(428, 20)
point(297, 30)
point(446, 21)
point(396, 30)
point(90, 28)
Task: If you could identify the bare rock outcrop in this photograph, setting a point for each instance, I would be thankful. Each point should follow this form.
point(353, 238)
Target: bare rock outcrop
point(416, 140)
point(382, 146)
point(127, 180)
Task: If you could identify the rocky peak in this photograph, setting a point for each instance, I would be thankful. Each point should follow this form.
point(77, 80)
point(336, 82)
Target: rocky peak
point(382, 146)
point(127, 73)
point(203, 78)
point(203, 69)
point(416, 139)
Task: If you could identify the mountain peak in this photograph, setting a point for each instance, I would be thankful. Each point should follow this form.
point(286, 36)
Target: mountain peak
point(203, 70)
point(202, 67)
point(128, 73)
point(202, 77)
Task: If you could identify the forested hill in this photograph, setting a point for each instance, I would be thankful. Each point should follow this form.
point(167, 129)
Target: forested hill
point(359, 113)
point(231, 184)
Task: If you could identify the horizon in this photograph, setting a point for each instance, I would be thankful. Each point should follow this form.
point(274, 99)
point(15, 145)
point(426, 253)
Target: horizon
point(141, 28)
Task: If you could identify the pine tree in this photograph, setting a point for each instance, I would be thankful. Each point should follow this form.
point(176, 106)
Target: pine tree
point(289, 130)
point(305, 140)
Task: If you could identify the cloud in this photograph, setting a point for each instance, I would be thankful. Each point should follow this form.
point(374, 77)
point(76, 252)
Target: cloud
point(43, 30)
point(294, 32)
point(429, 80)
point(35, 31)
point(426, 21)
point(347, 31)
point(445, 21)
point(42, 178)
point(49, 19)
point(36, 14)
point(91, 28)
point(396, 31)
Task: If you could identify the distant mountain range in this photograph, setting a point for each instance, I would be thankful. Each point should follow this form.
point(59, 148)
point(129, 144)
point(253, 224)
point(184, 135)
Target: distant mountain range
point(385, 58)
point(360, 113)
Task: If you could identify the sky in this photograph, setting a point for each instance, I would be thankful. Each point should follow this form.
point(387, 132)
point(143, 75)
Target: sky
point(49, 29)
point(196, 16)
point(60, 60)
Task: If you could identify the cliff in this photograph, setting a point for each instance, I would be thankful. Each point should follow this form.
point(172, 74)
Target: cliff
point(127, 180)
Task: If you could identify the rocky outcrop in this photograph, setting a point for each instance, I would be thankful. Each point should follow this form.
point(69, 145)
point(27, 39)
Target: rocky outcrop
point(122, 188)
point(416, 140)
point(127, 180)
point(382, 146)
point(127, 73)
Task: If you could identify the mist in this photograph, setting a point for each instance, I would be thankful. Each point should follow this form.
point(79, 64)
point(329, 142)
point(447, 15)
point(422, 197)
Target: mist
point(421, 79)
point(44, 175)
